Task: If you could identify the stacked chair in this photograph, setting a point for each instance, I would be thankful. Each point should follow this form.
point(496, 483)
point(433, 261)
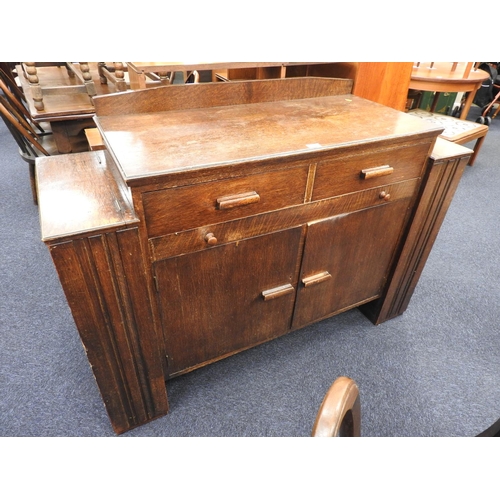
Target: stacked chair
point(33, 139)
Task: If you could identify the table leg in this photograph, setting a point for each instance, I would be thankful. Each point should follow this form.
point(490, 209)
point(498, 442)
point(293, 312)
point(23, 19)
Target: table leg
point(468, 104)
point(137, 80)
point(61, 137)
point(435, 100)
point(65, 130)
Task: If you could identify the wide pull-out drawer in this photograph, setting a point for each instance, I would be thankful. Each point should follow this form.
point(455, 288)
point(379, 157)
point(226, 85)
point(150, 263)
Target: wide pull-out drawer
point(203, 237)
point(177, 209)
point(374, 167)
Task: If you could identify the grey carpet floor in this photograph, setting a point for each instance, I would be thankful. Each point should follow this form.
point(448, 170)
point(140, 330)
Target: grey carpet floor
point(434, 371)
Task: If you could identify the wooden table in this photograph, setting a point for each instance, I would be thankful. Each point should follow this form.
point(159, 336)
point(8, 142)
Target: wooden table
point(446, 77)
point(68, 113)
point(222, 216)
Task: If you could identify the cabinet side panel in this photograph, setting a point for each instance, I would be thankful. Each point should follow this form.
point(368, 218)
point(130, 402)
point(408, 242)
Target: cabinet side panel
point(102, 288)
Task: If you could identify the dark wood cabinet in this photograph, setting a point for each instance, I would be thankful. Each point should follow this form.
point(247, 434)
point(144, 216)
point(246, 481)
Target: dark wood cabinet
point(224, 215)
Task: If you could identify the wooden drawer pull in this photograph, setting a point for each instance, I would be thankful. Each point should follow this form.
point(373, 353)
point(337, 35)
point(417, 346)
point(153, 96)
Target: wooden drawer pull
point(370, 173)
point(237, 200)
point(315, 279)
point(211, 239)
point(279, 291)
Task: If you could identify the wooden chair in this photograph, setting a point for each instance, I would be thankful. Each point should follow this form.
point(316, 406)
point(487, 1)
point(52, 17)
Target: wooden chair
point(340, 412)
point(8, 79)
point(31, 141)
point(492, 431)
point(455, 129)
point(16, 99)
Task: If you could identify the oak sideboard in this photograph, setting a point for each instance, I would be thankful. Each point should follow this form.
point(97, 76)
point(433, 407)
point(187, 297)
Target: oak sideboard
point(223, 215)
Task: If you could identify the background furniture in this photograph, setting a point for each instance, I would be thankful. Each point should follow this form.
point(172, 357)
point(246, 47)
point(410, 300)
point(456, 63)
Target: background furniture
point(448, 77)
point(456, 130)
point(157, 275)
point(33, 140)
point(69, 110)
point(94, 139)
point(114, 73)
point(79, 76)
point(383, 82)
point(163, 72)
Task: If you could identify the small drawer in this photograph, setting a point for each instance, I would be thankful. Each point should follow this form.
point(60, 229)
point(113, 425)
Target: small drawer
point(373, 168)
point(178, 209)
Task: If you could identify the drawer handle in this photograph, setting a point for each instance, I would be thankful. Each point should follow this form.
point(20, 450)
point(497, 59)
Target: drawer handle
point(279, 291)
point(384, 196)
point(370, 173)
point(237, 200)
point(211, 239)
point(316, 279)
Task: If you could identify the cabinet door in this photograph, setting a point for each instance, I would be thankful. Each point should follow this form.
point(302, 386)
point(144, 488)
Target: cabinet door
point(346, 260)
point(227, 298)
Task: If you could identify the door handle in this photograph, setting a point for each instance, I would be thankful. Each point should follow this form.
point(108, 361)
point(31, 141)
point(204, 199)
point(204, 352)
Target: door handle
point(316, 279)
point(279, 291)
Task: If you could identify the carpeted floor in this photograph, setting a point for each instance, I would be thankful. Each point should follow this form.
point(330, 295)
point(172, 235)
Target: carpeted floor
point(435, 371)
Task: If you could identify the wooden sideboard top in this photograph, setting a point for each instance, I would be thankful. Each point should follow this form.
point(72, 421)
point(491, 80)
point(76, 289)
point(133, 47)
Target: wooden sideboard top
point(81, 193)
point(154, 144)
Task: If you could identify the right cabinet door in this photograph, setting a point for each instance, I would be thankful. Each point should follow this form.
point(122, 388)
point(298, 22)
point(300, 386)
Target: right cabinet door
point(346, 260)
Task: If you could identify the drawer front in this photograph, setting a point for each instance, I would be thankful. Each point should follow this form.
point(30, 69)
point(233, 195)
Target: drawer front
point(178, 209)
point(204, 237)
point(370, 169)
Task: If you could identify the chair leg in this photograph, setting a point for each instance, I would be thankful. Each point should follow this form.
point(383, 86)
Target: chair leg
point(33, 182)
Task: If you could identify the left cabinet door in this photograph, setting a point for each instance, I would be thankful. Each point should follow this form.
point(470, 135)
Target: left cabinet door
point(227, 298)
